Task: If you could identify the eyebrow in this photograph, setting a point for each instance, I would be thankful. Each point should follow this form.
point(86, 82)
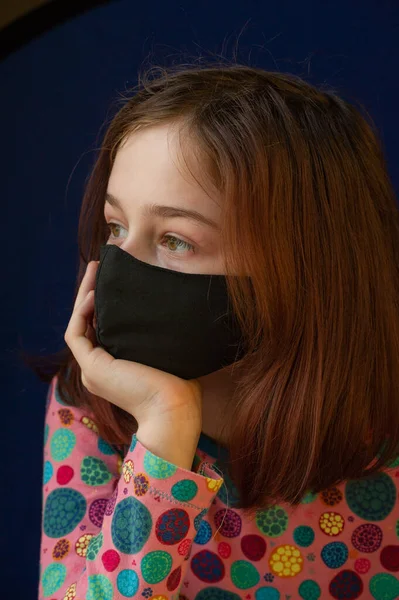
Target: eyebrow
point(158, 210)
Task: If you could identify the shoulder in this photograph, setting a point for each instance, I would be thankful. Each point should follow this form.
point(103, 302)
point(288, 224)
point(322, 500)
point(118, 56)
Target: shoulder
point(61, 414)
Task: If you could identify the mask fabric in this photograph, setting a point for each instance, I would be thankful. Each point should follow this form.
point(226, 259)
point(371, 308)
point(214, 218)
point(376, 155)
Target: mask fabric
point(176, 322)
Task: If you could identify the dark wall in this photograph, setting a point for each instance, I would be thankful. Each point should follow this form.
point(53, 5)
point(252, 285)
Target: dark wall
point(56, 92)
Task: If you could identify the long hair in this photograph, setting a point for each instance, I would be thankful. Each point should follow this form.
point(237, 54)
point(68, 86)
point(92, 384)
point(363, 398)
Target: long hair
point(311, 216)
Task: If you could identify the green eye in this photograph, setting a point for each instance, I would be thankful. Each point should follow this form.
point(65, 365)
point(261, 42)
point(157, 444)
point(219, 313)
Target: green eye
point(174, 244)
point(115, 229)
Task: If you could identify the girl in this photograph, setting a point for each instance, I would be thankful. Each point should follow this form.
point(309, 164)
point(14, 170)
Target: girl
point(224, 422)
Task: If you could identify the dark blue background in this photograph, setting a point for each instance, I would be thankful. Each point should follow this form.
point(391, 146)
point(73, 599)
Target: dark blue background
point(56, 94)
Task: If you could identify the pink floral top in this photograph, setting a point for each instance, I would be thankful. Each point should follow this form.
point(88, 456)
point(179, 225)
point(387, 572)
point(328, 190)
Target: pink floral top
point(124, 523)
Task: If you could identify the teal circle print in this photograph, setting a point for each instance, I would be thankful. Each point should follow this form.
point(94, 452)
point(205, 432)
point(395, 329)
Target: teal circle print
point(58, 396)
point(394, 464)
point(52, 579)
point(94, 471)
point(215, 593)
point(309, 590)
point(272, 522)
point(384, 586)
point(131, 525)
point(62, 443)
point(94, 546)
point(372, 498)
point(133, 444)
point(308, 498)
point(46, 432)
point(155, 566)
point(63, 511)
point(184, 490)
point(104, 447)
point(47, 472)
point(100, 588)
point(158, 467)
point(267, 593)
point(244, 575)
point(303, 536)
point(127, 583)
point(228, 492)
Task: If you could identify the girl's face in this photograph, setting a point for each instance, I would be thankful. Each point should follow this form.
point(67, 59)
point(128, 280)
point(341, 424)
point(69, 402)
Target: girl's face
point(156, 214)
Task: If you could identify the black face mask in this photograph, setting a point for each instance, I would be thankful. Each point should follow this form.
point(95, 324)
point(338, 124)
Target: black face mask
point(176, 322)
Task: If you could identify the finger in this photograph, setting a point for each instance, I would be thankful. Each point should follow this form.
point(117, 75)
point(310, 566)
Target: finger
point(93, 360)
point(75, 335)
point(88, 282)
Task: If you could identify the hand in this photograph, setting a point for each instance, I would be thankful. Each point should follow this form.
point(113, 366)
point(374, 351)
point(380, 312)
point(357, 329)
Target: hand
point(164, 406)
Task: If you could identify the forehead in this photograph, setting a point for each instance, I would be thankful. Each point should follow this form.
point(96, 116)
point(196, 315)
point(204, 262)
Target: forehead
point(150, 165)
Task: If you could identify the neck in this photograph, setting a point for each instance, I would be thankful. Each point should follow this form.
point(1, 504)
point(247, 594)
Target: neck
point(217, 396)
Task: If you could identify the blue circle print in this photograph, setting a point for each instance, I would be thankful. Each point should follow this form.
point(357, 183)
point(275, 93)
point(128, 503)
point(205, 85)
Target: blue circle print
point(131, 525)
point(198, 519)
point(127, 583)
point(47, 472)
point(204, 533)
point(104, 447)
point(335, 554)
point(133, 444)
point(267, 593)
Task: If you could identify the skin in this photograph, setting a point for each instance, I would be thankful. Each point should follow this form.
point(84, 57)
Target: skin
point(171, 412)
point(146, 171)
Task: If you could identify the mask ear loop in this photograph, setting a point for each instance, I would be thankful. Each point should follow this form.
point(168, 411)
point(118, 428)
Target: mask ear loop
point(204, 465)
point(227, 503)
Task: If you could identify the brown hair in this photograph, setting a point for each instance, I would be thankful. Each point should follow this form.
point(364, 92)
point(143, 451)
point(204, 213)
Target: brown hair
point(311, 217)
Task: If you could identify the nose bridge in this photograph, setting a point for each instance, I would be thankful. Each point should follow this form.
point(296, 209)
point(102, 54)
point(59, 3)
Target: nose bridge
point(136, 243)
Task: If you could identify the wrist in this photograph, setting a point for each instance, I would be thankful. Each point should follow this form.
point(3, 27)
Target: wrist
point(176, 447)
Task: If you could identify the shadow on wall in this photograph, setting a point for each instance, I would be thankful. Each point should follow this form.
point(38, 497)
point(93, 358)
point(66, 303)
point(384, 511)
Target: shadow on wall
point(22, 21)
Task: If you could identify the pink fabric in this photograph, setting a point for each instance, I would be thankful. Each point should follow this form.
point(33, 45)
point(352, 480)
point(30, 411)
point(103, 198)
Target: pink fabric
point(140, 527)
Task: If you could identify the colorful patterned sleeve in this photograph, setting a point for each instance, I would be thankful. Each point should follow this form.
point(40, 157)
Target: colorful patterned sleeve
point(114, 526)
